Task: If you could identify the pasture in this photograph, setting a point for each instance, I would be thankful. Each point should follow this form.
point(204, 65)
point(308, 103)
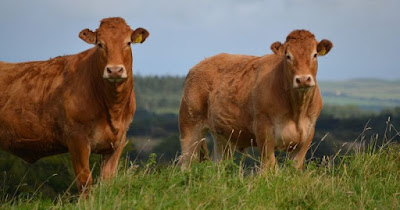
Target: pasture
point(361, 180)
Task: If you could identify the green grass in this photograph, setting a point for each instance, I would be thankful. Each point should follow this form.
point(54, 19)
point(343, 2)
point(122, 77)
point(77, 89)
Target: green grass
point(362, 180)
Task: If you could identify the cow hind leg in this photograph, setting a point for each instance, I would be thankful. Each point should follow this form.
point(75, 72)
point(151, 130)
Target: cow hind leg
point(204, 153)
point(223, 149)
point(192, 143)
point(192, 137)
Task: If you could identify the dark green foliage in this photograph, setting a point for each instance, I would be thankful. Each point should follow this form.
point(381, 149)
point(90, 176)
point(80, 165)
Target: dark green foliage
point(159, 94)
point(147, 123)
point(169, 148)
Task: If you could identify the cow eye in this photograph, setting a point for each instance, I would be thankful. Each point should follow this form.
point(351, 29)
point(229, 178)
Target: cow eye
point(288, 57)
point(99, 45)
point(129, 43)
point(315, 55)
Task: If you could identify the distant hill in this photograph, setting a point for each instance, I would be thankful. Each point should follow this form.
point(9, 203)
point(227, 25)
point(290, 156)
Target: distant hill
point(162, 94)
point(369, 94)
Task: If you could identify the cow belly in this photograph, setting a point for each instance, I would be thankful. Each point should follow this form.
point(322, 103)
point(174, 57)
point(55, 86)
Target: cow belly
point(238, 135)
point(32, 150)
point(239, 140)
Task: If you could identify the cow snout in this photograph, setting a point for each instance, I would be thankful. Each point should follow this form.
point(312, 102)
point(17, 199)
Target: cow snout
point(303, 81)
point(114, 73)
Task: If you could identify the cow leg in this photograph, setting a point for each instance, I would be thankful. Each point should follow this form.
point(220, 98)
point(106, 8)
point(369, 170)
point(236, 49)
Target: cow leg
point(80, 153)
point(267, 152)
point(192, 133)
point(110, 160)
point(218, 152)
point(299, 153)
point(222, 149)
point(204, 153)
point(266, 145)
point(191, 143)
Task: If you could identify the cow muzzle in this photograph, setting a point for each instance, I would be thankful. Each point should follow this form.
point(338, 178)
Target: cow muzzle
point(303, 81)
point(115, 73)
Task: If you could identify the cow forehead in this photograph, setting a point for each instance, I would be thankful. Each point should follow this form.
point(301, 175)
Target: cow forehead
point(301, 47)
point(113, 28)
point(115, 34)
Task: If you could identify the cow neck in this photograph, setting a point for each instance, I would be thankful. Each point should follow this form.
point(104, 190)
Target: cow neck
point(114, 97)
point(298, 101)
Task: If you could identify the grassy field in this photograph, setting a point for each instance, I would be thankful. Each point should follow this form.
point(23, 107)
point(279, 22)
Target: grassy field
point(361, 180)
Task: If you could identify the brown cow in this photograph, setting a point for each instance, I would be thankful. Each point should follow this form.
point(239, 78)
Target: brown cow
point(271, 102)
point(80, 103)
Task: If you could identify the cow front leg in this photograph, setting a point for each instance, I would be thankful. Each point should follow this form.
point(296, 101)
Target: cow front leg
point(266, 145)
point(80, 153)
point(299, 153)
point(110, 160)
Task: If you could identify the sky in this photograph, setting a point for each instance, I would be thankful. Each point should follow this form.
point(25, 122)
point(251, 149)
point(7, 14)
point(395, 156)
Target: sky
point(365, 33)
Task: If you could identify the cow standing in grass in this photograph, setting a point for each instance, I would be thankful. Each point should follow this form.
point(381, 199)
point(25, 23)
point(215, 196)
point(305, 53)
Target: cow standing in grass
point(271, 102)
point(80, 103)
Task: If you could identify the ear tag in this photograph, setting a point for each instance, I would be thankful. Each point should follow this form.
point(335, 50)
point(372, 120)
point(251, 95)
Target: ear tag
point(322, 52)
point(138, 39)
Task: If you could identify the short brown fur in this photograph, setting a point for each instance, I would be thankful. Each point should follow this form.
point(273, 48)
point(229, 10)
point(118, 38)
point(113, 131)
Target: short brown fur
point(64, 104)
point(246, 101)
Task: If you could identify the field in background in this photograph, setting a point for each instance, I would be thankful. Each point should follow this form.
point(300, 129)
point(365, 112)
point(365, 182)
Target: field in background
point(368, 94)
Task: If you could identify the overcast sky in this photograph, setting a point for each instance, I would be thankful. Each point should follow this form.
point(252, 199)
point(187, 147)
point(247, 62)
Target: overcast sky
point(365, 33)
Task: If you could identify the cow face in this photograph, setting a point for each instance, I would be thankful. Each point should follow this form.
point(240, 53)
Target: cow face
point(113, 41)
point(300, 52)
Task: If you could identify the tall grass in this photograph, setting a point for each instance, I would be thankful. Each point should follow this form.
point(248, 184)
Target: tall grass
point(365, 178)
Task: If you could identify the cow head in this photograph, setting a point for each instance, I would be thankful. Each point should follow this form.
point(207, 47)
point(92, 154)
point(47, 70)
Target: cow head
point(300, 52)
point(113, 41)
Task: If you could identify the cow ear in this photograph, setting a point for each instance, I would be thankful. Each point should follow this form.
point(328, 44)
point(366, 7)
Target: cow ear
point(139, 35)
point(324, 46)
point(88, 36)
point(277, 48)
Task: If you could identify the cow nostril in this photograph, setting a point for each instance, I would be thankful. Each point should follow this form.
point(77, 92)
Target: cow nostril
point(120, 70)
point(298, 81)
point(108, 70)
point(308, 79)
